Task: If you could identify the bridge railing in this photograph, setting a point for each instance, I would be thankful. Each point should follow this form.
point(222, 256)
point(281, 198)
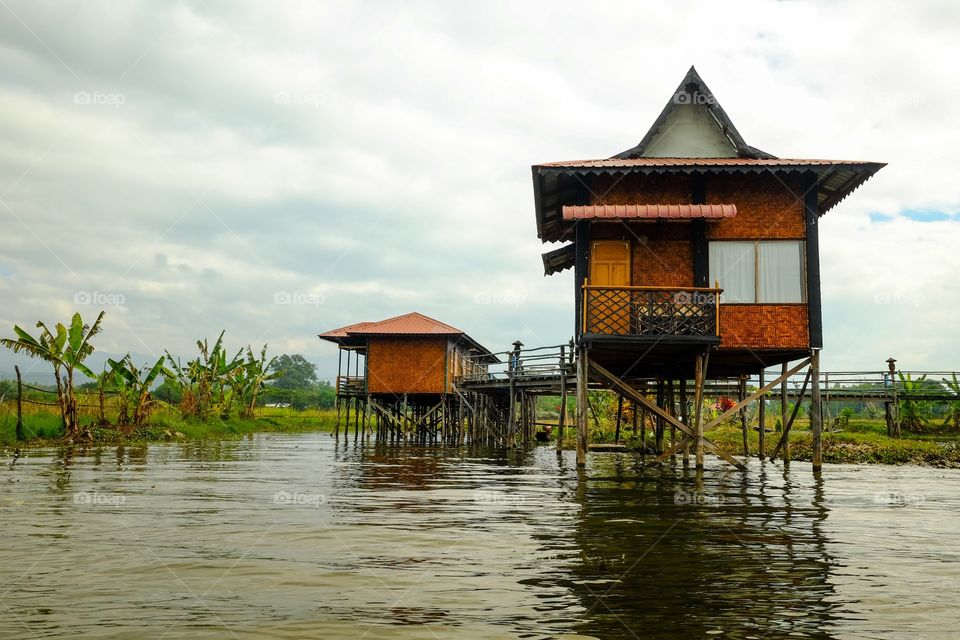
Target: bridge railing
point(523, 364)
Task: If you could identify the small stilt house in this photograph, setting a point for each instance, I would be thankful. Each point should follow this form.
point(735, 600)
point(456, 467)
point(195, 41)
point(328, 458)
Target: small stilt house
point(694, 254)
point(403, 368)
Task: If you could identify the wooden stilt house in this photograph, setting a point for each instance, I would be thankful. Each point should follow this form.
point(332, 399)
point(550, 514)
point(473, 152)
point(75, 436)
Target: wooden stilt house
point(694, 254)
point(402, 369)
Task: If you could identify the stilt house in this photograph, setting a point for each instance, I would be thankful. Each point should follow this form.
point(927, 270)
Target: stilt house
point(692, 239)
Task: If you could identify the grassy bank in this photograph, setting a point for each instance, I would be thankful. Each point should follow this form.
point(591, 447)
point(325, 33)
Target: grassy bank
point(861, 441)
point(43, 427)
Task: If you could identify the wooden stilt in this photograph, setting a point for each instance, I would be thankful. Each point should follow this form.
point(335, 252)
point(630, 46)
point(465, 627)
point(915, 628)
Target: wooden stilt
point(816, 418)
point(761, 423)
point(671, 402)
point(741, 395)
point(616, 435)
point(785, 438)
point(699, 372)
point(582, 407)
point(563, 405)
point(684, 417)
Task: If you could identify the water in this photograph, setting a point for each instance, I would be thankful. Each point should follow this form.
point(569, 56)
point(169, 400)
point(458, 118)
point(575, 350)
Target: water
point(284, 536)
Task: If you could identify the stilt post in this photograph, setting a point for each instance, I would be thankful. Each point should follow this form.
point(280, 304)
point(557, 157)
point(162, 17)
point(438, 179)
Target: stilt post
point(582, 407)
point(816, 417)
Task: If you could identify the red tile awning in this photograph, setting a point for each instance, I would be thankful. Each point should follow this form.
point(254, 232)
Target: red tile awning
point(649, 211)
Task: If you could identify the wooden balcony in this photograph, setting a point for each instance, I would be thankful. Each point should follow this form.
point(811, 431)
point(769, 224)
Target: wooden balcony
point(351, 386)
point(652, 314)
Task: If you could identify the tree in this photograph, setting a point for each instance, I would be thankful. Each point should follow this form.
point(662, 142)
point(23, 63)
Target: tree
point(295, 372)
point(169, 391)
point(66, 349)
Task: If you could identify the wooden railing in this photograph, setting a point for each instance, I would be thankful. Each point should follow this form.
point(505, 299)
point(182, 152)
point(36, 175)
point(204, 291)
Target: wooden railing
point(651, 311)
point(351, 385)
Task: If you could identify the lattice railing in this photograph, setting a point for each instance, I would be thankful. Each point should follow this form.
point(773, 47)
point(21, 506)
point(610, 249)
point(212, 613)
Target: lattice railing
point(644, 311)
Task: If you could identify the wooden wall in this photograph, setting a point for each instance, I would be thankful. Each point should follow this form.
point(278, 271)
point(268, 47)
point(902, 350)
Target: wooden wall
point(768, 206)
point(414, 364)
point(764, 326)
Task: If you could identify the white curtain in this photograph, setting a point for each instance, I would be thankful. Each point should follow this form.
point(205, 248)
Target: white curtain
point(732, 265)
point(781, 271)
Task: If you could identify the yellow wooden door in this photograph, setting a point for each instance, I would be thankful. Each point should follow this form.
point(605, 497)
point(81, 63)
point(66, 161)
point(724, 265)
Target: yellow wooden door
point(609, 272)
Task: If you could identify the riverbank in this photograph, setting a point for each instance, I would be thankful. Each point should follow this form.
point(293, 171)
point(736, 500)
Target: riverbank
point(43, 429)
point(861, 442)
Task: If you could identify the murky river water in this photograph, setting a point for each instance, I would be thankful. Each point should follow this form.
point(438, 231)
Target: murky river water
point(284, 536)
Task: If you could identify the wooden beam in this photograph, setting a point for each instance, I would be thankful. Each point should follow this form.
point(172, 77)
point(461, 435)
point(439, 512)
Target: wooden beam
point(760, 392)
point(785, 436)
point(663, 457)
point(633, 394)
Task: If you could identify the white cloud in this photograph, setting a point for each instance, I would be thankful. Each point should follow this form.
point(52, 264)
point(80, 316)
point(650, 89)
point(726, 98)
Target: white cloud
point(378, 155)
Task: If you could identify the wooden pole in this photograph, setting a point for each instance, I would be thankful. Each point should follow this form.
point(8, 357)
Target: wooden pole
point(582, 407)
point(698, 409)
point(563, 405)
point(816, 418)
point(761, 422)
point(741, 394)
point(19, 431)
point(783, 416)
point(684, 416)
point(616, 435)
point(672, 403)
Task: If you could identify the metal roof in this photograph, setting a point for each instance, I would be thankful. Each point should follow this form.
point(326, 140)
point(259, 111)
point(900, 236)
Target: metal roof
point(648, 211)
point(559, 259)
point(410, 324)
point(698, 163)
point(565, 183)
point(414, 323)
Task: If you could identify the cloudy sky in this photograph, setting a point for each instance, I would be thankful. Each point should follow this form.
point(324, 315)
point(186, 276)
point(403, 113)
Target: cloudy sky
point(280, 169)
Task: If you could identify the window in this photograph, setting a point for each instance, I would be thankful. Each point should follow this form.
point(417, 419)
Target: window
point(759, 272)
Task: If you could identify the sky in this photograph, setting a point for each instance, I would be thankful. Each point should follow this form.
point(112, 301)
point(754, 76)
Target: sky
point(276, 170)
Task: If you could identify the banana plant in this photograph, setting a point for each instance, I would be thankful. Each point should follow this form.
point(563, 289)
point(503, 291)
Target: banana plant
point(133, 387)
point(66, 349)
point(256, 372)
point(953, 409)
point(914, 413)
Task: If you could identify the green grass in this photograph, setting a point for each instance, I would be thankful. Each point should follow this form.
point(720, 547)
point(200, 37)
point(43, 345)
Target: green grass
point(862, 441)
point(43, 427)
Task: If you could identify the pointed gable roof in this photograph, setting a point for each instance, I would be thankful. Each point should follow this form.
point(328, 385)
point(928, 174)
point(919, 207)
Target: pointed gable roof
point(694, 123)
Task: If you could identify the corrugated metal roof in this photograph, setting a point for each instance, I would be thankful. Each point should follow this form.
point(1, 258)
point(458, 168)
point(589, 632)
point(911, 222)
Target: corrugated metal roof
point(697, 162)
point(649, 211)
point(342, 332)
point(408, 324)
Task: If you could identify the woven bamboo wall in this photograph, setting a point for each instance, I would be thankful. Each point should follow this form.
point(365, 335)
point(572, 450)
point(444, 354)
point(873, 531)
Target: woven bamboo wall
point(406, 364)
point(764, 326)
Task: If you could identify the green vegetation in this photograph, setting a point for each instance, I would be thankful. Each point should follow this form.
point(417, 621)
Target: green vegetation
point(850, 436)
point(211, 396)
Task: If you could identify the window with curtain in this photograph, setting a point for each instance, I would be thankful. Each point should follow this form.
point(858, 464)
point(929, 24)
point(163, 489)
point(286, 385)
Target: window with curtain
point(733, 265)
point(770, 271)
